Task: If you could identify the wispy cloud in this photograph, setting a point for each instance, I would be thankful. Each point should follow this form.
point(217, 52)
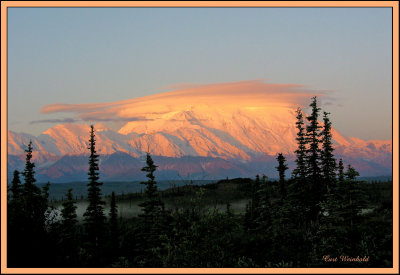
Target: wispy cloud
point(93, 117)
point(64, 120)
point(185, 96)
point(88, 117)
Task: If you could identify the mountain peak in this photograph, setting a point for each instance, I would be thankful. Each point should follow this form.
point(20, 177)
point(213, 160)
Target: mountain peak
point(213, 121)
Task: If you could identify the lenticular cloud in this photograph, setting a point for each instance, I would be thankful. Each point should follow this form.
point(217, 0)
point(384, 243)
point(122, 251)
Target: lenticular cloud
point(243, 94)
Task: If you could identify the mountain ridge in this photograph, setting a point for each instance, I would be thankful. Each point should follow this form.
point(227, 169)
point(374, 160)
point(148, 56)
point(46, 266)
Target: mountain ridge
point(221, 127)
point(186, 134)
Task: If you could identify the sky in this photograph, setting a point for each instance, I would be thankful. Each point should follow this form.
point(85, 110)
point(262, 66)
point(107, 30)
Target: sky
point(101, 55)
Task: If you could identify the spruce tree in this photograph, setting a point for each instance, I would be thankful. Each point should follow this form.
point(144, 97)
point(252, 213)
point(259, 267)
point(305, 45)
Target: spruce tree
point(16, 187)
point(152, 205)
point(151, 218)
point(33, 199)
point(353, 199)
point(15, 221)
point(113, 224)
point(15, 200)
point(313, 153)
point(14, 197)
point(69, 230)
point(31, 192)
point(94, 214)
point(328, 161)
point(68, 213)
point(29, 173)
point(282, 167)
point(312, 138)
point(34, 207)
point(300, 171)
point(298, 192)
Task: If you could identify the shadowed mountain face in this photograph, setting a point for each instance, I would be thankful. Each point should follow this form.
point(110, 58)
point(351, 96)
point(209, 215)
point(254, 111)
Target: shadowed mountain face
point(192, 136)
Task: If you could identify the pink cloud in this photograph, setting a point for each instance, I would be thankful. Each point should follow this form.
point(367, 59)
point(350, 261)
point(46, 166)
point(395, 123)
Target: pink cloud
point(232, 94)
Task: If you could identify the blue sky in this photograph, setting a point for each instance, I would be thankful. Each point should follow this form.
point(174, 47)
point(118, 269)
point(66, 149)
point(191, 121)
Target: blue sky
point(91, 55)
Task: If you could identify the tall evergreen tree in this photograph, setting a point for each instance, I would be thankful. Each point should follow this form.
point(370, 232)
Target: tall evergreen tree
point(16, 187)
point(69, 230)
point(114, 230)
point(282, 167)
point(32, 193)
point(15, 221)
point(312, 138)
point(300, 171)
point(68, 213)
point(151, 217)
point(94, 214)
point(152, 205)
point(313, 160)
point(33, 197)
point(34, 212)
point(29, 173)
point(353, 193)
point(300, 188)
point(328, 161)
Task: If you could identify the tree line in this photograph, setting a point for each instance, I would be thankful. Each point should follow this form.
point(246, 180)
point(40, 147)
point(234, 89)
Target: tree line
point(319, 214)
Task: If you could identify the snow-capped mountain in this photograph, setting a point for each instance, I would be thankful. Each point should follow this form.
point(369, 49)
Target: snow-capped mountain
point(218, 132)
